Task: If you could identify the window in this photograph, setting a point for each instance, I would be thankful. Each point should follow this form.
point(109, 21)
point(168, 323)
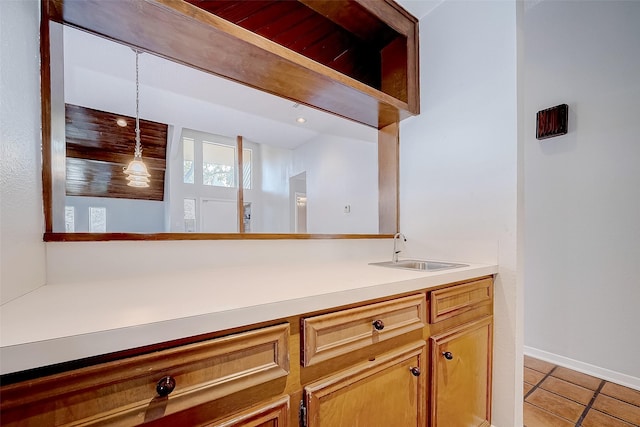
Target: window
point(246, 168)
point(97, 220)
point(69, 219)
point(190, 215)
point(188, 160)
point(218, 164)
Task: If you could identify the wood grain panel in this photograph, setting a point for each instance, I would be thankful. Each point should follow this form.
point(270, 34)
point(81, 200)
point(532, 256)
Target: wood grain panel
point(271, 414)
point(45, 114)
point(452, 301)
point(98, 150)
point(323, 38)
point(356, 20)
point(380, 392)
point(341, 332)
point(461, 386)
point(388, 179)
point(123, 392)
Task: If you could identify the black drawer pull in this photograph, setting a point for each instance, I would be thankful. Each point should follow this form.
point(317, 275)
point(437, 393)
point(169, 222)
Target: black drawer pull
point(165, 386)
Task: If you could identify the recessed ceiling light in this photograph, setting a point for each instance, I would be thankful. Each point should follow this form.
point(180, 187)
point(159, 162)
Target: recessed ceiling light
point(121, 122)
point(301, 120)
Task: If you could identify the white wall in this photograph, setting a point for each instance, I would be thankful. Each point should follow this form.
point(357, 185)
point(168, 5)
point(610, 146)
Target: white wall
point(22, 252)
point(582, 190)
point(340, 172)
point(270, 198)
point(123, 215)
point(458, 165)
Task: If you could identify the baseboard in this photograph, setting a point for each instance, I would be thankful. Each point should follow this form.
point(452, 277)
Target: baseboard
point(585, 368)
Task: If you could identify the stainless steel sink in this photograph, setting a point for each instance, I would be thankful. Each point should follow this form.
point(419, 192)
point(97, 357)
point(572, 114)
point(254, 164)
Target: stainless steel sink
point(419, 265)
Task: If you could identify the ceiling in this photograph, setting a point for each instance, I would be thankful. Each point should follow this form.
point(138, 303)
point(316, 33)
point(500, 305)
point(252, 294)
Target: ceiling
point(419, 8)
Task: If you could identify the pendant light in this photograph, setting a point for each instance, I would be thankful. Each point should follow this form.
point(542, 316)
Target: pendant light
point(136, 171)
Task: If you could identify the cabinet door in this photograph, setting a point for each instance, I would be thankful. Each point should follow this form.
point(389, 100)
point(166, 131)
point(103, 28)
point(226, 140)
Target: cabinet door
point(386, 391)
point(461, 375)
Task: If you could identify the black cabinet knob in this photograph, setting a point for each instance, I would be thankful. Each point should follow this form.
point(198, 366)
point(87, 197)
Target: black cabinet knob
point(447, 355)
point(378, 325)
point(415, 371)
point(165, 386)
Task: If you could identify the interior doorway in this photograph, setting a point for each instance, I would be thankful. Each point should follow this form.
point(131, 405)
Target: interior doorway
point(298, 197)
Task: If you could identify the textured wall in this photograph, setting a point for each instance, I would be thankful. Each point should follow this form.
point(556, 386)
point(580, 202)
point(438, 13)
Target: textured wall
point(22, 266)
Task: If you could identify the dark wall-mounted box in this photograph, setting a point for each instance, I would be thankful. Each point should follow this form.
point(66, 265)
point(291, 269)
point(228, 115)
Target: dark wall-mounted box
point(552, 121)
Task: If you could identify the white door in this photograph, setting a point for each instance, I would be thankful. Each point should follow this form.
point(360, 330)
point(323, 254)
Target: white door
point(219, 216)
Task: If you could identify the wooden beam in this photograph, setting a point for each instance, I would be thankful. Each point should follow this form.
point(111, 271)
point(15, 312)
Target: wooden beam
point(45, 112)
point(176, 30)
point(388, 179)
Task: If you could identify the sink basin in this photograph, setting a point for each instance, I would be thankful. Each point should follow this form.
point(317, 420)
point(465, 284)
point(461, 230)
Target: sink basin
point(419, 265)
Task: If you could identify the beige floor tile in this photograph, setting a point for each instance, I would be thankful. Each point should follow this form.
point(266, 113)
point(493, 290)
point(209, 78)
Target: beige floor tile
point(538, 365)
point(536, 417)
point(526, 388)
point(626, 394)
point(532, 377)
point(598, 419)
point(584, 380)
point(570, 391)
point(617, 408)
point(555, 404)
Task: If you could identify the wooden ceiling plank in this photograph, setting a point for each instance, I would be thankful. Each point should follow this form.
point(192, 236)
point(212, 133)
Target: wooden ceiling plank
point(267, 15)
point(354, 19)
point(286, 26)
point(97, 150)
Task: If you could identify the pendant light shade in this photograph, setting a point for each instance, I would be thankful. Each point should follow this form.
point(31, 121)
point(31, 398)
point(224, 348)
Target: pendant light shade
point(136, 171)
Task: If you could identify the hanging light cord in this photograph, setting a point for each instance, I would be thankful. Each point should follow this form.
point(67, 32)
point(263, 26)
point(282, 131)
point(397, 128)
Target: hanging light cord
point(138, 149)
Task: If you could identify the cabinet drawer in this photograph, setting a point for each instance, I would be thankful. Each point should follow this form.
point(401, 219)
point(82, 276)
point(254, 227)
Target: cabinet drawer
point(341, 332)
point(275, 413)
point(449, 302)
point(125, 392)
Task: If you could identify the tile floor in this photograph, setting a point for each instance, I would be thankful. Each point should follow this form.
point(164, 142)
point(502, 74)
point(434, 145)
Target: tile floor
point(555, 396)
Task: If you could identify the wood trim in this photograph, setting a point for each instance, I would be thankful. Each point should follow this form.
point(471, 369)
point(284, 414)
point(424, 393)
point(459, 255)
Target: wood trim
point(102, 394)
point(240, 166)
point(341, 332)
point(388, 179)
point(276, 412)
point(45, 114)
point(106, 237)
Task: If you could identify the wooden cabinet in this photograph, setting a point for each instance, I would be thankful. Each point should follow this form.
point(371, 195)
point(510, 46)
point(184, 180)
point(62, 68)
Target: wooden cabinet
point(366, 365)
point(386, 391)
point(158, 386)
point(461, 356)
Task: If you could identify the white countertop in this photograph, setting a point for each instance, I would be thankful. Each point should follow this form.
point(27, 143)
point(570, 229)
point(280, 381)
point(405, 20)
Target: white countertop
point(58, 323)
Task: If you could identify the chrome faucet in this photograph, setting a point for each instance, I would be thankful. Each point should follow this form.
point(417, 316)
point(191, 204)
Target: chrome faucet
point(394, 257)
